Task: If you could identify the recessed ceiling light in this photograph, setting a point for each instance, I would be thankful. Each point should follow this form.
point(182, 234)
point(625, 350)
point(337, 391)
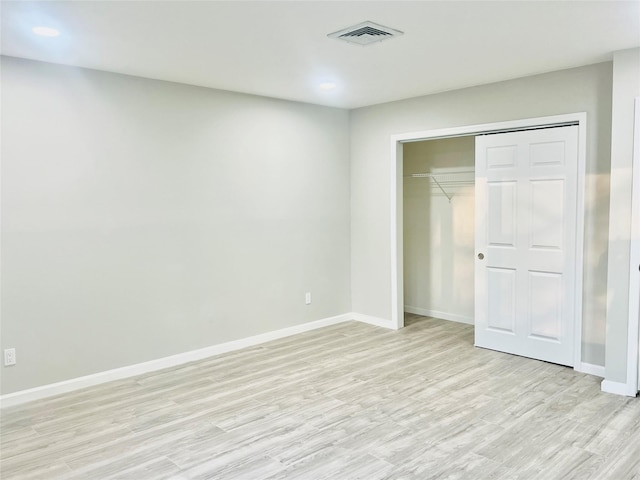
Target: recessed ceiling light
point(327, 85)
point(45, 31)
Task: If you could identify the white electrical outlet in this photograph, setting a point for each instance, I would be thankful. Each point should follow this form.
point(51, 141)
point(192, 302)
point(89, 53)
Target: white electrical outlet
point(307, 298)
point(9, 357)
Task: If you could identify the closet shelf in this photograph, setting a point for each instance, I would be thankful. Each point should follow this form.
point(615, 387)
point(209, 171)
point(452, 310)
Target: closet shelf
point(450, 180)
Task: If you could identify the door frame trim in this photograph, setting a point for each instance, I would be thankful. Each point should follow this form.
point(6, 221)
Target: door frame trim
point(396, 211)
point(633, 356)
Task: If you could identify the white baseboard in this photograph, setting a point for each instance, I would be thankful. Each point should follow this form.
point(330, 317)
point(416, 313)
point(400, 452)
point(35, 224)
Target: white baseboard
point(378, 322)
point(618, 388)
point(73, 384)
point(590, 369)
point(453, 317)
point(66, 386)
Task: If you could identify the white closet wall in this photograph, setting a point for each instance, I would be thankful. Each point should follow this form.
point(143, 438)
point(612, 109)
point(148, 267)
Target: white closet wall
point(438, 231)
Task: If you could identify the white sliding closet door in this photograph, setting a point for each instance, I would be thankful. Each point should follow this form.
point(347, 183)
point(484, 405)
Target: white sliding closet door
point(526, 185)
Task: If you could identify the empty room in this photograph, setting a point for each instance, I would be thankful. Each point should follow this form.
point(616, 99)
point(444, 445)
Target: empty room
point(320, 240)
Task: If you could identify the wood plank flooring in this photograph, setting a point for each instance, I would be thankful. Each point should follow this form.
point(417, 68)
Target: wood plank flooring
point(350, 401)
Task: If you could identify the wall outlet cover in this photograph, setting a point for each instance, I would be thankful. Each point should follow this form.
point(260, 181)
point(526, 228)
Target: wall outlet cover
point(9, 357)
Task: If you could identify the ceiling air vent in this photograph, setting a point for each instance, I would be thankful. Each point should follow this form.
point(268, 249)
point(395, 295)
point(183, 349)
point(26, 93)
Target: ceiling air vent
point(365, 33)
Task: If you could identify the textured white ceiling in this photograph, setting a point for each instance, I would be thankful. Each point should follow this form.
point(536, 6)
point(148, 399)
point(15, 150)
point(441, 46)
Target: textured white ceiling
point(281, 49)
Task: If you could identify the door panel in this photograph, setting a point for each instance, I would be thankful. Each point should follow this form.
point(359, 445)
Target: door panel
point(547, 153)
point(545, 317)
point(502, 202)
point(547, 220)
point(501, 156)
point(502, 283)
point(526, 198)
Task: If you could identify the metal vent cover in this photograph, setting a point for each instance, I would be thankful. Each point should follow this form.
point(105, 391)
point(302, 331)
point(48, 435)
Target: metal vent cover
point(365, 33)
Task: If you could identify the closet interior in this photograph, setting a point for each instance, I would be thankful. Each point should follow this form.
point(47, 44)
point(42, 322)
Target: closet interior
point(439, 234)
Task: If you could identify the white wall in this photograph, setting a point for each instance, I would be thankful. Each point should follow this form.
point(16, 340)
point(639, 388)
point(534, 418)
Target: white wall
point(626, 86)
point(142, 219)
point(439, 234)
point(585, 89)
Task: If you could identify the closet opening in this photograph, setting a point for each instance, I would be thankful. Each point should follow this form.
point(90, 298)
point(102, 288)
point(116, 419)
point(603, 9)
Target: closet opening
point(438, 228)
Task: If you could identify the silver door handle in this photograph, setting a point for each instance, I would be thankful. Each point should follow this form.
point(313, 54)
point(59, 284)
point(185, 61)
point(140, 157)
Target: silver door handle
point(481, 256)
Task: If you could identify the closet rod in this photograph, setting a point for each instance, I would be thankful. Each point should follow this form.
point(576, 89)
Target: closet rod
point(434, 177)
point(431, 175)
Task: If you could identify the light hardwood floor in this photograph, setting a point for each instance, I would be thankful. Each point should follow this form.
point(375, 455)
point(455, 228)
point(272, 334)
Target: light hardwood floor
point(350, 401)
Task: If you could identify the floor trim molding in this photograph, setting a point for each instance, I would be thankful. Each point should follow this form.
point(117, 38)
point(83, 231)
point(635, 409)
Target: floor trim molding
point(453, 317)
point(44, 391)
point(618, 388)
point(376, 321)
point(590, 369)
